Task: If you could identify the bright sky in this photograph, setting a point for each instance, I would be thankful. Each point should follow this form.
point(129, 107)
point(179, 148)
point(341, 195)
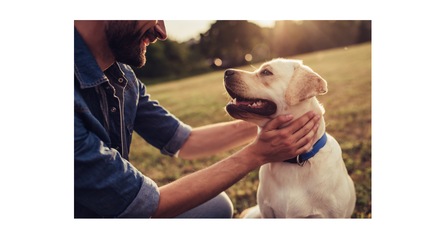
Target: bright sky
point(183, 30)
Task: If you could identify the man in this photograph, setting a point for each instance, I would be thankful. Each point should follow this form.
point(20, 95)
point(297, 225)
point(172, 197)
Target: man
point(110, 103)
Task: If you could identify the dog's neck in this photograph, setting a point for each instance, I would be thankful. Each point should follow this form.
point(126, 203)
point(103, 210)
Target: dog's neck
point(306, 106)
point(298, 111)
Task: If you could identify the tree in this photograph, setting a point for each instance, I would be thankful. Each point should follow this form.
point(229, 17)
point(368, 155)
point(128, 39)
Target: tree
point(169, 60)
point(230, 41)
point(297, 37)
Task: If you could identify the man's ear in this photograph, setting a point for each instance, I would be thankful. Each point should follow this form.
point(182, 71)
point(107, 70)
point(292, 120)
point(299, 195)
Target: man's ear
point(304, 84)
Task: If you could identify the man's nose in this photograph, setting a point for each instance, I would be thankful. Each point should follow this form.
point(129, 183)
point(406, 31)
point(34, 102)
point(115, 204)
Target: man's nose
point(161, 30)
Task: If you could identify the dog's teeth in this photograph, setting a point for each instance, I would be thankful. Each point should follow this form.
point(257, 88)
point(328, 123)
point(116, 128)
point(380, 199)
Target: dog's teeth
point(259, 103)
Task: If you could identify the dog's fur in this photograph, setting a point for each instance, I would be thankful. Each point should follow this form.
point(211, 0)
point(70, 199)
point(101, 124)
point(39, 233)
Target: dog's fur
point(321, 188)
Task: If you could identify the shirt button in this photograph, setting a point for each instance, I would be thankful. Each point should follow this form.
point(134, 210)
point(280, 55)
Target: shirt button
point(113, 109)
point(120, 80)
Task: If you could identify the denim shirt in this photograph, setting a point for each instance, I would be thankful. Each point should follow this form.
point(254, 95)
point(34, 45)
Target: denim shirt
point(108, 107)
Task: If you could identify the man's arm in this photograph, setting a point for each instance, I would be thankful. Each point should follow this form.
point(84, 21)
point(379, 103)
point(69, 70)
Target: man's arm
point(271, 145)
point(216, 138)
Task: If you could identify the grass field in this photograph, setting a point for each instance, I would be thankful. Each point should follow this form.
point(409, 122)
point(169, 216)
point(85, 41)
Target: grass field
point(200, 100)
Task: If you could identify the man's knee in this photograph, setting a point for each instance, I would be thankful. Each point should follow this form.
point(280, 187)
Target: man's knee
point(218, 207)
point(226, 208)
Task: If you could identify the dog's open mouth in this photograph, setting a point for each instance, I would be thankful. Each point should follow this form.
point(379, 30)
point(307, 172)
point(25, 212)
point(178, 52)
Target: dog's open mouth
point(258, 106)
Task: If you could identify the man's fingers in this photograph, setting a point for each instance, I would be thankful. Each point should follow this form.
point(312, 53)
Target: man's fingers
point(301, 121)
point(300, 133)
point(278, 121)
point(307, 140)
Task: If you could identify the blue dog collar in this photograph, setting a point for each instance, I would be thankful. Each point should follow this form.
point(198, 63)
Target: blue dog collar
point(302, 158)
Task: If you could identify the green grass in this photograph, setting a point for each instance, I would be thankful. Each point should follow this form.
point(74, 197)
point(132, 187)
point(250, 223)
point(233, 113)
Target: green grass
point(200, 100)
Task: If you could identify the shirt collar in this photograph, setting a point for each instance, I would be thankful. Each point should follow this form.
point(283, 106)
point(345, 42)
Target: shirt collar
point(86, 69)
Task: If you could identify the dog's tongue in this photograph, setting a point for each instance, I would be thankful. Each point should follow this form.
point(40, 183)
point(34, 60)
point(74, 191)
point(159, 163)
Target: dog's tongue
point(249, 103)
point(244, 102)
point(258, 106)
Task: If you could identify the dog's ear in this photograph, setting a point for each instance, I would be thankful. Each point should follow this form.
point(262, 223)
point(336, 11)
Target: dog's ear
point(304, 84)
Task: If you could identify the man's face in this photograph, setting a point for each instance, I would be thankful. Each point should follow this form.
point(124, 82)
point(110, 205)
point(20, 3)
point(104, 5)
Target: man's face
point(128, 39)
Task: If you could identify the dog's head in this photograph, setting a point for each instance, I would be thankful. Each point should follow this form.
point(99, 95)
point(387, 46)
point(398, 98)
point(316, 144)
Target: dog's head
point(277, 87)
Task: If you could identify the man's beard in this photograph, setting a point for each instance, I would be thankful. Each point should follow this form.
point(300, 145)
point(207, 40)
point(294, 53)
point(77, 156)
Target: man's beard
point(124, 41)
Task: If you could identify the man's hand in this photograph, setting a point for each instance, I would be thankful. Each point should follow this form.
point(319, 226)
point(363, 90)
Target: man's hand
point(276, 145)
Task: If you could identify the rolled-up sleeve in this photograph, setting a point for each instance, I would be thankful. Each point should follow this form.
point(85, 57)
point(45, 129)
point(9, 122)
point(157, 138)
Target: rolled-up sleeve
point(159, 127)
point(145, 203)
point(177, 141)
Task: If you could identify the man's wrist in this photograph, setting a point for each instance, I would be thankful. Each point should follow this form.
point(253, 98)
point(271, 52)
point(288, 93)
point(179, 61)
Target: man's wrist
point(252, 158)
point(248, 125)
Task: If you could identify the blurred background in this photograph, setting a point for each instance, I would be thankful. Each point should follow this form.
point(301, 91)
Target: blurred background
point(204, 46)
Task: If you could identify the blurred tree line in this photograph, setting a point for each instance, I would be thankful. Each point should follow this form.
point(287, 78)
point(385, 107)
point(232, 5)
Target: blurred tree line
point(233, 43)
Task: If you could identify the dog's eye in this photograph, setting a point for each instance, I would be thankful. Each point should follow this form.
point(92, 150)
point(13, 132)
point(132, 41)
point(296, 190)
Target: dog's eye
point(266, 72)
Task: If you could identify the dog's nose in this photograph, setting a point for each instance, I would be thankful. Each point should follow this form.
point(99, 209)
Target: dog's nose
point(229, 72)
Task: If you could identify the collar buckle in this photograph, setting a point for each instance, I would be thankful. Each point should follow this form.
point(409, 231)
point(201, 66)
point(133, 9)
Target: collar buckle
point(306, 156)
point(298, 163)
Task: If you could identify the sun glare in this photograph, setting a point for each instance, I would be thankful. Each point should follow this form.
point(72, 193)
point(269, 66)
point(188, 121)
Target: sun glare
point(264, 23)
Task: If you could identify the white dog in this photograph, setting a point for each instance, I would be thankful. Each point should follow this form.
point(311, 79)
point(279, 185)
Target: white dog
point(313, 185)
